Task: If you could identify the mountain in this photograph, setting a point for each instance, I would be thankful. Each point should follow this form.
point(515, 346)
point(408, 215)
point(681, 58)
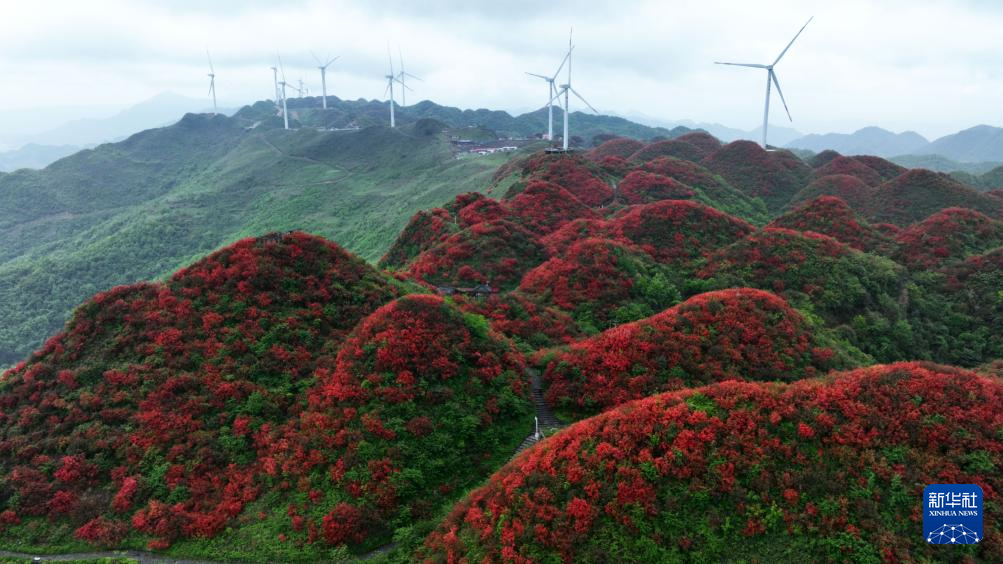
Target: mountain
point(140, 208)
point(780, 136)
point(34, 156)
point(281, 399)
point(163, 109)
point(866, 141)
point(823, 470)
point(977, 144)
point(939, 163)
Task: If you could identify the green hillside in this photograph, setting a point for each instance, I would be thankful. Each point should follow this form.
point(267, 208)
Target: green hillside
point(141, 208)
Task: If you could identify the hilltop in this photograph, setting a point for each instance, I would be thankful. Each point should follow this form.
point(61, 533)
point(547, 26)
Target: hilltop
point(283, 399)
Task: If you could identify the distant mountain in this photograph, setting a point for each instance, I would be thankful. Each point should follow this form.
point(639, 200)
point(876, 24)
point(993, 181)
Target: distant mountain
point(866, 141)
point(163, 109)
point(940, 163)
point(779, 135)
point(976, 144)
point(34, 156)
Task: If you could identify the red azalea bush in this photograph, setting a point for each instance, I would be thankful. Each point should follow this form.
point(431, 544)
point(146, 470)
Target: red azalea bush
point(426, 229)
point(702, 140)
point(640, 187)
point(558, 242)
point(725, 335)
point(149, 384)
point(848, 188)
point(678, 231)
point(668, 148)
point(572, 172)
point(602, 283)
point(422, 401)
point(621, 147)
point(495, 252)
point(710, 188)
point(838, 280)
point(950, 234)
point(545, 206)
point(885, 168)
point(919, 193)
point(851, 167)
point(831, 216)
point(823, 158)
point(772, 176)
point(828, 469)
point(527, 322)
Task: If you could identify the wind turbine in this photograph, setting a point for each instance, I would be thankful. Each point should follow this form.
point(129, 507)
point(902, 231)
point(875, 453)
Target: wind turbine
point(771, 79)
point(551, 94)
point(275, 77)
point(323, 76)
point(302, 91)
point(391, 78)
point(401, 75)
point(283, 84)
point(564, 90)
point(212, 82)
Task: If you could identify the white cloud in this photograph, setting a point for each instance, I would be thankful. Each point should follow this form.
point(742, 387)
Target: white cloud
point(930, 66)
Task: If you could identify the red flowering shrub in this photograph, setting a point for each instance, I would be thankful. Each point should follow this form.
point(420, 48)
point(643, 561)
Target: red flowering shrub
point(772, 176)
point(725, 335)
point(710, 188)
point(668, 148)
point(426, 229)
point(678, 231)
point(975, 286)
point(146, 384)
point(558, 242)
point(473, 208)
point(886, 169)
point(514, 315)
point(621, 147)
point(851, 167)
point(602, 283)
point(495, 252)
point(702, 140)
point(358, 443)
point(919, 193)
point(838, 280)
point(545, 206)
point(848, 188)
point(640, 187)
point(572, 172)
point(828, 469)
point(823, 158)
point(831, 216)
point(947, 235)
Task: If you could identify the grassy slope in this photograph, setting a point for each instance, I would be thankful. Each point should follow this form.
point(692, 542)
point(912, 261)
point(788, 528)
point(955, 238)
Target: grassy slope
point(140, 209)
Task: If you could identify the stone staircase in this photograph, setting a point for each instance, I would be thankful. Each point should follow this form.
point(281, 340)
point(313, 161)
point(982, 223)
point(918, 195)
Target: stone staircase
point(548, 423)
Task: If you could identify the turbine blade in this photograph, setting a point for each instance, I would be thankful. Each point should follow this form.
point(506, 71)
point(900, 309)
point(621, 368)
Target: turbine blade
point(563, 61)
point(315, 57)
point(782, 53)
point(556, 97)
point(776, 83)
point(750, 65)
point(212, 86)
point(401, 82)
point(212, 70)
point(387, 91)
point(409, 75)
point(547, 78)
point(282, 69)
point(331, 61)
point(575, 92)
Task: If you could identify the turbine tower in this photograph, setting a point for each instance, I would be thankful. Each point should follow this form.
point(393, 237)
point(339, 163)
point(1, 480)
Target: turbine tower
point(402, 75)
point(212, 82)
point(564, 90)
point(323, 76)
point(551, 94)
point(391, 78)
point(771, 79)
point(275, 77)
point(283, 84)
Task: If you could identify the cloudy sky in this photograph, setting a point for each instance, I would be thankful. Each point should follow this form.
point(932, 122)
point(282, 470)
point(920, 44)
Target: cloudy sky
point(933, 66)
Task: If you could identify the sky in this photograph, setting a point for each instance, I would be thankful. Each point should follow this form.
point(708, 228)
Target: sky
point(931, 66)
